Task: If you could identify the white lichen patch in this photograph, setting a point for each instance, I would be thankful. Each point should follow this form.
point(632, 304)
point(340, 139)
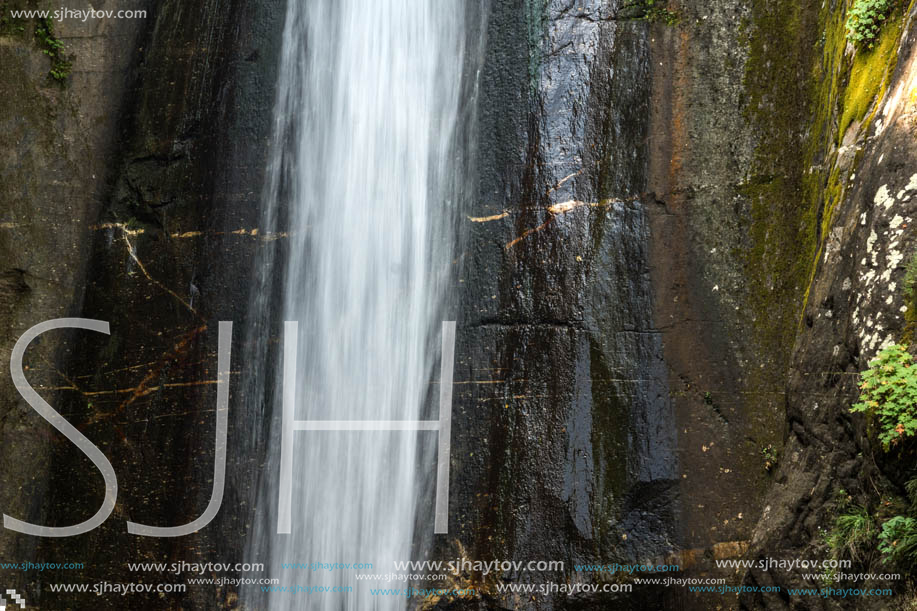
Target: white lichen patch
point(895, 257)
point(870, 243)
point(883, 198)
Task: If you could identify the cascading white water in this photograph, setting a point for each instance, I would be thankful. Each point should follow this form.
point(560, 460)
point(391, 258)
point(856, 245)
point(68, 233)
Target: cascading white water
point(363, 173)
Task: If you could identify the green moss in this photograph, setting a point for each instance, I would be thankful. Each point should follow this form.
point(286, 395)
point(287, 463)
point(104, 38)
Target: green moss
point(782, 193)
point(870, 74)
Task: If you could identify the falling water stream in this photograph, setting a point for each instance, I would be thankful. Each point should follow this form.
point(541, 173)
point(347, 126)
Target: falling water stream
point(362, 174)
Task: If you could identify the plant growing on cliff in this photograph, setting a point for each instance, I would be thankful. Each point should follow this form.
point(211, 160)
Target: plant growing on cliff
point(889, 394)
point(770, 457)
point(53, 48)
point(864, 20)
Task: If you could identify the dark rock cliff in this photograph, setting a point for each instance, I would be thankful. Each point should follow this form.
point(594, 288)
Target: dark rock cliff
point(683, 242)
point(59, 146)
point(158, 242)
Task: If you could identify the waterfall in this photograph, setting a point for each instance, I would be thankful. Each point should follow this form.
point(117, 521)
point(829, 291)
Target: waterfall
point(363, 180)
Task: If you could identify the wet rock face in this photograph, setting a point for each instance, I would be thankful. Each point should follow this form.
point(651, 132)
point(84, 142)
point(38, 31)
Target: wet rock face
point(563, 437)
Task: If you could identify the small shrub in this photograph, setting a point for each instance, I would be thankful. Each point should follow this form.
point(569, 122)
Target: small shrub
point(898, 541)
point(889, 393)
point(864, 20)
